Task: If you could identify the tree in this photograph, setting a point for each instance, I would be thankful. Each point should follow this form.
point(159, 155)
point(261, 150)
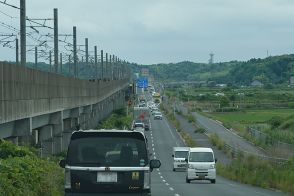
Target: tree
point(233, 99)
point(224, 102)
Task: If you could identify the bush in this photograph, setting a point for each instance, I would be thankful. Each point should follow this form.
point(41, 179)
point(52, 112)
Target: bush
point(190, 118)
point(9, 150)
point(275, 121)
point(251, 170)
point(117, 120)
point(200, 130)
point(24, 173)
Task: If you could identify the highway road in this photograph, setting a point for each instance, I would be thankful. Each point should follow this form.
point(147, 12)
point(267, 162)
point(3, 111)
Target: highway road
point(165, 182)
point(229, 137)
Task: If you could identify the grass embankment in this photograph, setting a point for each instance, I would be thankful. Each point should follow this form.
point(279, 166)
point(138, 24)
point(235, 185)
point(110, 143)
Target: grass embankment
point(117, 120)
point(251, 170)
point(24, 173)
point(278, 123)
point(254, 171)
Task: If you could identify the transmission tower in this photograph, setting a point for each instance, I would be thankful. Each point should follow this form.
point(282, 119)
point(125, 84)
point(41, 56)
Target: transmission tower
point(211, 58)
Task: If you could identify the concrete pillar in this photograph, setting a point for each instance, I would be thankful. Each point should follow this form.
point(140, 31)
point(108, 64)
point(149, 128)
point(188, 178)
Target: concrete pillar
point(46, 148)
point(57, 144)
point(65, 140)
point(45, 137)
point(13, 140)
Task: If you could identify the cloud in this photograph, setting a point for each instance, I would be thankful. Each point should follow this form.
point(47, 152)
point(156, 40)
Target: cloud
point(150, 31)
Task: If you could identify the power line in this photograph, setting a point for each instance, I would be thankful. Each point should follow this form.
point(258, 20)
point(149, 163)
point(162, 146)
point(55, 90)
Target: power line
point(10, 5)
point(12, 17)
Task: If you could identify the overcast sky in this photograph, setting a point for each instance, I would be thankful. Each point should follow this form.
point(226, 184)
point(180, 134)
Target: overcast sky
point(163, 31)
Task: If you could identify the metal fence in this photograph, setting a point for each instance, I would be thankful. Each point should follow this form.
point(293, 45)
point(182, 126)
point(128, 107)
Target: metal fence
point(275, 146)
point(237, 152)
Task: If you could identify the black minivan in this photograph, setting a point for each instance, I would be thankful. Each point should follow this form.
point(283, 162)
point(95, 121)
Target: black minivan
point(108, 162)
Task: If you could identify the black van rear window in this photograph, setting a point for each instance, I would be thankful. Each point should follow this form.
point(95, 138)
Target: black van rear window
point(112, 150)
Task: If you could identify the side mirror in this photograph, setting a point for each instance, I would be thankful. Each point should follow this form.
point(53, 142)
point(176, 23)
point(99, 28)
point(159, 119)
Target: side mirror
point(186, 160)
point(62, 163)
point(173, 155)
point(215, 160)
point(155, 164)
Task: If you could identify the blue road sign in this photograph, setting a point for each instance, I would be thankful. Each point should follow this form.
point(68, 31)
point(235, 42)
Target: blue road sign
point(142, 83)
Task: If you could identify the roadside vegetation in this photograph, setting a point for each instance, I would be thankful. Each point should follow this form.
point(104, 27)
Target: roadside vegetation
point(24, 173)
point(117, 120)
point(172, 119)
point(251, 170)
point(276, 122)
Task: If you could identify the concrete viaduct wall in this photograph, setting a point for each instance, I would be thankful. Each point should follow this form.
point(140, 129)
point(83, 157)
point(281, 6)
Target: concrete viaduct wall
point(43, 109)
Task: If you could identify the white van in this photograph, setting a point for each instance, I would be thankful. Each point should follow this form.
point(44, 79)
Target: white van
point(180, 154)
point(201, 165)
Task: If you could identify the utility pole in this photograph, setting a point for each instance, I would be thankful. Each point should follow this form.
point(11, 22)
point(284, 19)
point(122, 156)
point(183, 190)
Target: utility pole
point(69, 64)
point(102, 67)
point(96, 61)
point(110, 67)
point(36, 57)
point(114, 67)
point(75, 51)
point(87, 56)
point(87, 51)
point(50, 60)
point(16, 51)
point(55, 40)
point(23, 32)
point(106, 65)
point(61, 63)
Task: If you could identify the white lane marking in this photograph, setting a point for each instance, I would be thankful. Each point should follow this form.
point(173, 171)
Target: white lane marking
point(159, 173)
point(153, 149)
point(171, 188)
point(171, 132)
point(157, 169)
point(177, 194)
point(152, 144)
point(167, 184)
point(154, 157)
point(164, 180)
point(161, 177)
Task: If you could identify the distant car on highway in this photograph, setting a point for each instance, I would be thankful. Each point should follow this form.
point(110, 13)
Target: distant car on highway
point(139, 126)
point(157, 116)
point(108, 162)
point(201, 165)
point(180, 154)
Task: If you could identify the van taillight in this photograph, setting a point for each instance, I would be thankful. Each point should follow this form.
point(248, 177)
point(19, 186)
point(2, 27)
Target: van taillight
point(67, 179)
point(146, 179)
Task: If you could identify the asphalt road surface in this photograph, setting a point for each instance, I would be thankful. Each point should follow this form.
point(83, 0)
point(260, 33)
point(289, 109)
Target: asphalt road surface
point(165, 182)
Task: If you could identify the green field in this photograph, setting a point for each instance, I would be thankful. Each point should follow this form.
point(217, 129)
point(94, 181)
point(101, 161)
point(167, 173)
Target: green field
point(240, 120)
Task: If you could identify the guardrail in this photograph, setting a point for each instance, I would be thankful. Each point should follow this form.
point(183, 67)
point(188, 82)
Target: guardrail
point(236, 152)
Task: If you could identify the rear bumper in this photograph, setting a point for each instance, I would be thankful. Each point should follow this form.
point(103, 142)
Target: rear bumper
point(180, 166)
point(108, 194)
point(192, 174)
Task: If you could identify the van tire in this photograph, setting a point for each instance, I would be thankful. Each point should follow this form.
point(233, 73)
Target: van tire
point(187, 180)
point(174, 169)
point(212, 181)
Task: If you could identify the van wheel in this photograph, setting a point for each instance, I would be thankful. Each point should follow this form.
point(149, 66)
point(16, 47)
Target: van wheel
point(174, 169)
point(212, 181)
point(187, 180)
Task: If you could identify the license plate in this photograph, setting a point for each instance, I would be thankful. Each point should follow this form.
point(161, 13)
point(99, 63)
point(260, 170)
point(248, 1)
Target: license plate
point(106, 177)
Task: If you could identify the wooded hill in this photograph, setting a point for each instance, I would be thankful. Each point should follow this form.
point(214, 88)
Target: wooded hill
point(272, 70)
